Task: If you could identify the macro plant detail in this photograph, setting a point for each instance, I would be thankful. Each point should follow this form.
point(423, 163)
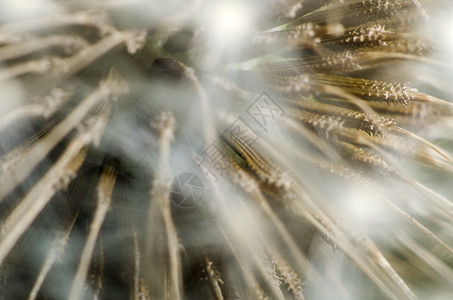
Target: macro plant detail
point(274, 149)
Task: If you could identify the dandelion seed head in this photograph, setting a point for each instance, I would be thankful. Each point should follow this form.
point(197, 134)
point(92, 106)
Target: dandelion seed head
point(286, 126)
